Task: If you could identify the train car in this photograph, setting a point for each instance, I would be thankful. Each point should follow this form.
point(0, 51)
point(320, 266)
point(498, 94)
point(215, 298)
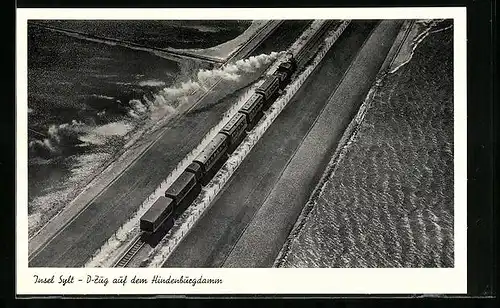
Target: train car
point(212, 157)
point(252, 109)
point(269, 89)
point(235, 130)
point(183, 191)
point(161, 210)
point(195, 168)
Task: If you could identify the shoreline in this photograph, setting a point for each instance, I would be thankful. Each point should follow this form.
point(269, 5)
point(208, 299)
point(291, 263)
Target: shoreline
point(330, 200)
point(343, 143)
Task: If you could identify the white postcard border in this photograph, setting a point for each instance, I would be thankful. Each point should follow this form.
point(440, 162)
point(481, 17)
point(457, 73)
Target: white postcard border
point(251, 281)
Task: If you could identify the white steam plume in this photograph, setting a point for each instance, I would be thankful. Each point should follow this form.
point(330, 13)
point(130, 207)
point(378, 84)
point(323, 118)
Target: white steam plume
point(58, 137)
point(173, 96)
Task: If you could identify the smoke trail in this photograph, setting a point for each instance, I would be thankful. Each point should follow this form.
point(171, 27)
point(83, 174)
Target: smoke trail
point(100, 134)
point(168, 95)
point(232, 72)
point(137, 106)
point(203, 80)
point(57, 137)
point(64, 137)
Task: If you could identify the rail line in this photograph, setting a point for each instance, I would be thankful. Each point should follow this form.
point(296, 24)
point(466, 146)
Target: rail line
point(231, 59)
point(137, 243)
point(236, 54)
point(250, 41)
point(302, 53)
point(130, 253)
point(159, 254)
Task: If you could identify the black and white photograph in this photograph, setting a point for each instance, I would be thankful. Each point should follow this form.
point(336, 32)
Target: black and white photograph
point(258, 143)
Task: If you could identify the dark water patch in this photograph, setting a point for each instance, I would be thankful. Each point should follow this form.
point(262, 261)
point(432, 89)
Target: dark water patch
point(80, 94)
point(90, 83)
point(159, 33)
point(44, 174)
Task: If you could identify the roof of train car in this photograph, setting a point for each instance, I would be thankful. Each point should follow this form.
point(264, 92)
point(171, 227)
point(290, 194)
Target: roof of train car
point(234, 119)
point(269, 81)
point(237, 117)
point(205, 154)
point(194, 166)
point(157, 209)
point(180, 183)
point(251, 101)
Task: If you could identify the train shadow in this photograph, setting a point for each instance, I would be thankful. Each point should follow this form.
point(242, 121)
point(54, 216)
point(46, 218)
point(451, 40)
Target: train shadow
point(186, 202)
point(236, 143)
point(155, 238)
point(213, 171)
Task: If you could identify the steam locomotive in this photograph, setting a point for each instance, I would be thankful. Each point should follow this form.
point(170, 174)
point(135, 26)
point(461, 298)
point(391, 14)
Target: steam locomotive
point(188, 185)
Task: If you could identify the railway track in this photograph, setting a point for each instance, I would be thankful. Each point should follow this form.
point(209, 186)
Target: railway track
point(35, 251)
point(312, 43)
point(233, 216)
point(137, 243)
point(130, 253)
point(232, 58)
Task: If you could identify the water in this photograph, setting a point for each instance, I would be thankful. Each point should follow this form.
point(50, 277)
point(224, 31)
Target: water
point(177, 34)
point(85, 99)
point(389, 202)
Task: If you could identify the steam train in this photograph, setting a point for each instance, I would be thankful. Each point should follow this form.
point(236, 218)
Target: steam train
point(188, 185)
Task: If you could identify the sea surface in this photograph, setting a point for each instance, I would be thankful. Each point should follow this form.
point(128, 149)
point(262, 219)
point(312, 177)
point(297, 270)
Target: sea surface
point(179, 34)
point(85, 98)
point(389, 201)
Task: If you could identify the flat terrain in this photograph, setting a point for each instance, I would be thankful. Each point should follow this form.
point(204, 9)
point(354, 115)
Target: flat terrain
point(389, 202)
point(79, 239)
point(211, 240)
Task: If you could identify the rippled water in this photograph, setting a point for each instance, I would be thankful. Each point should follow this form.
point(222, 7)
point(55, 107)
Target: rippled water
point(160, 33)
point(86, 99)
point(389, 202)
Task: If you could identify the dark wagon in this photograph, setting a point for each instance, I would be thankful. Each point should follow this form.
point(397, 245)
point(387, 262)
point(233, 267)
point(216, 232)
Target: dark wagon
point(160, 211)
point(235, 130)
point(212, 157)
point(269, 89)
point(183, 191)
point(196, 169)
point(252, 109)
